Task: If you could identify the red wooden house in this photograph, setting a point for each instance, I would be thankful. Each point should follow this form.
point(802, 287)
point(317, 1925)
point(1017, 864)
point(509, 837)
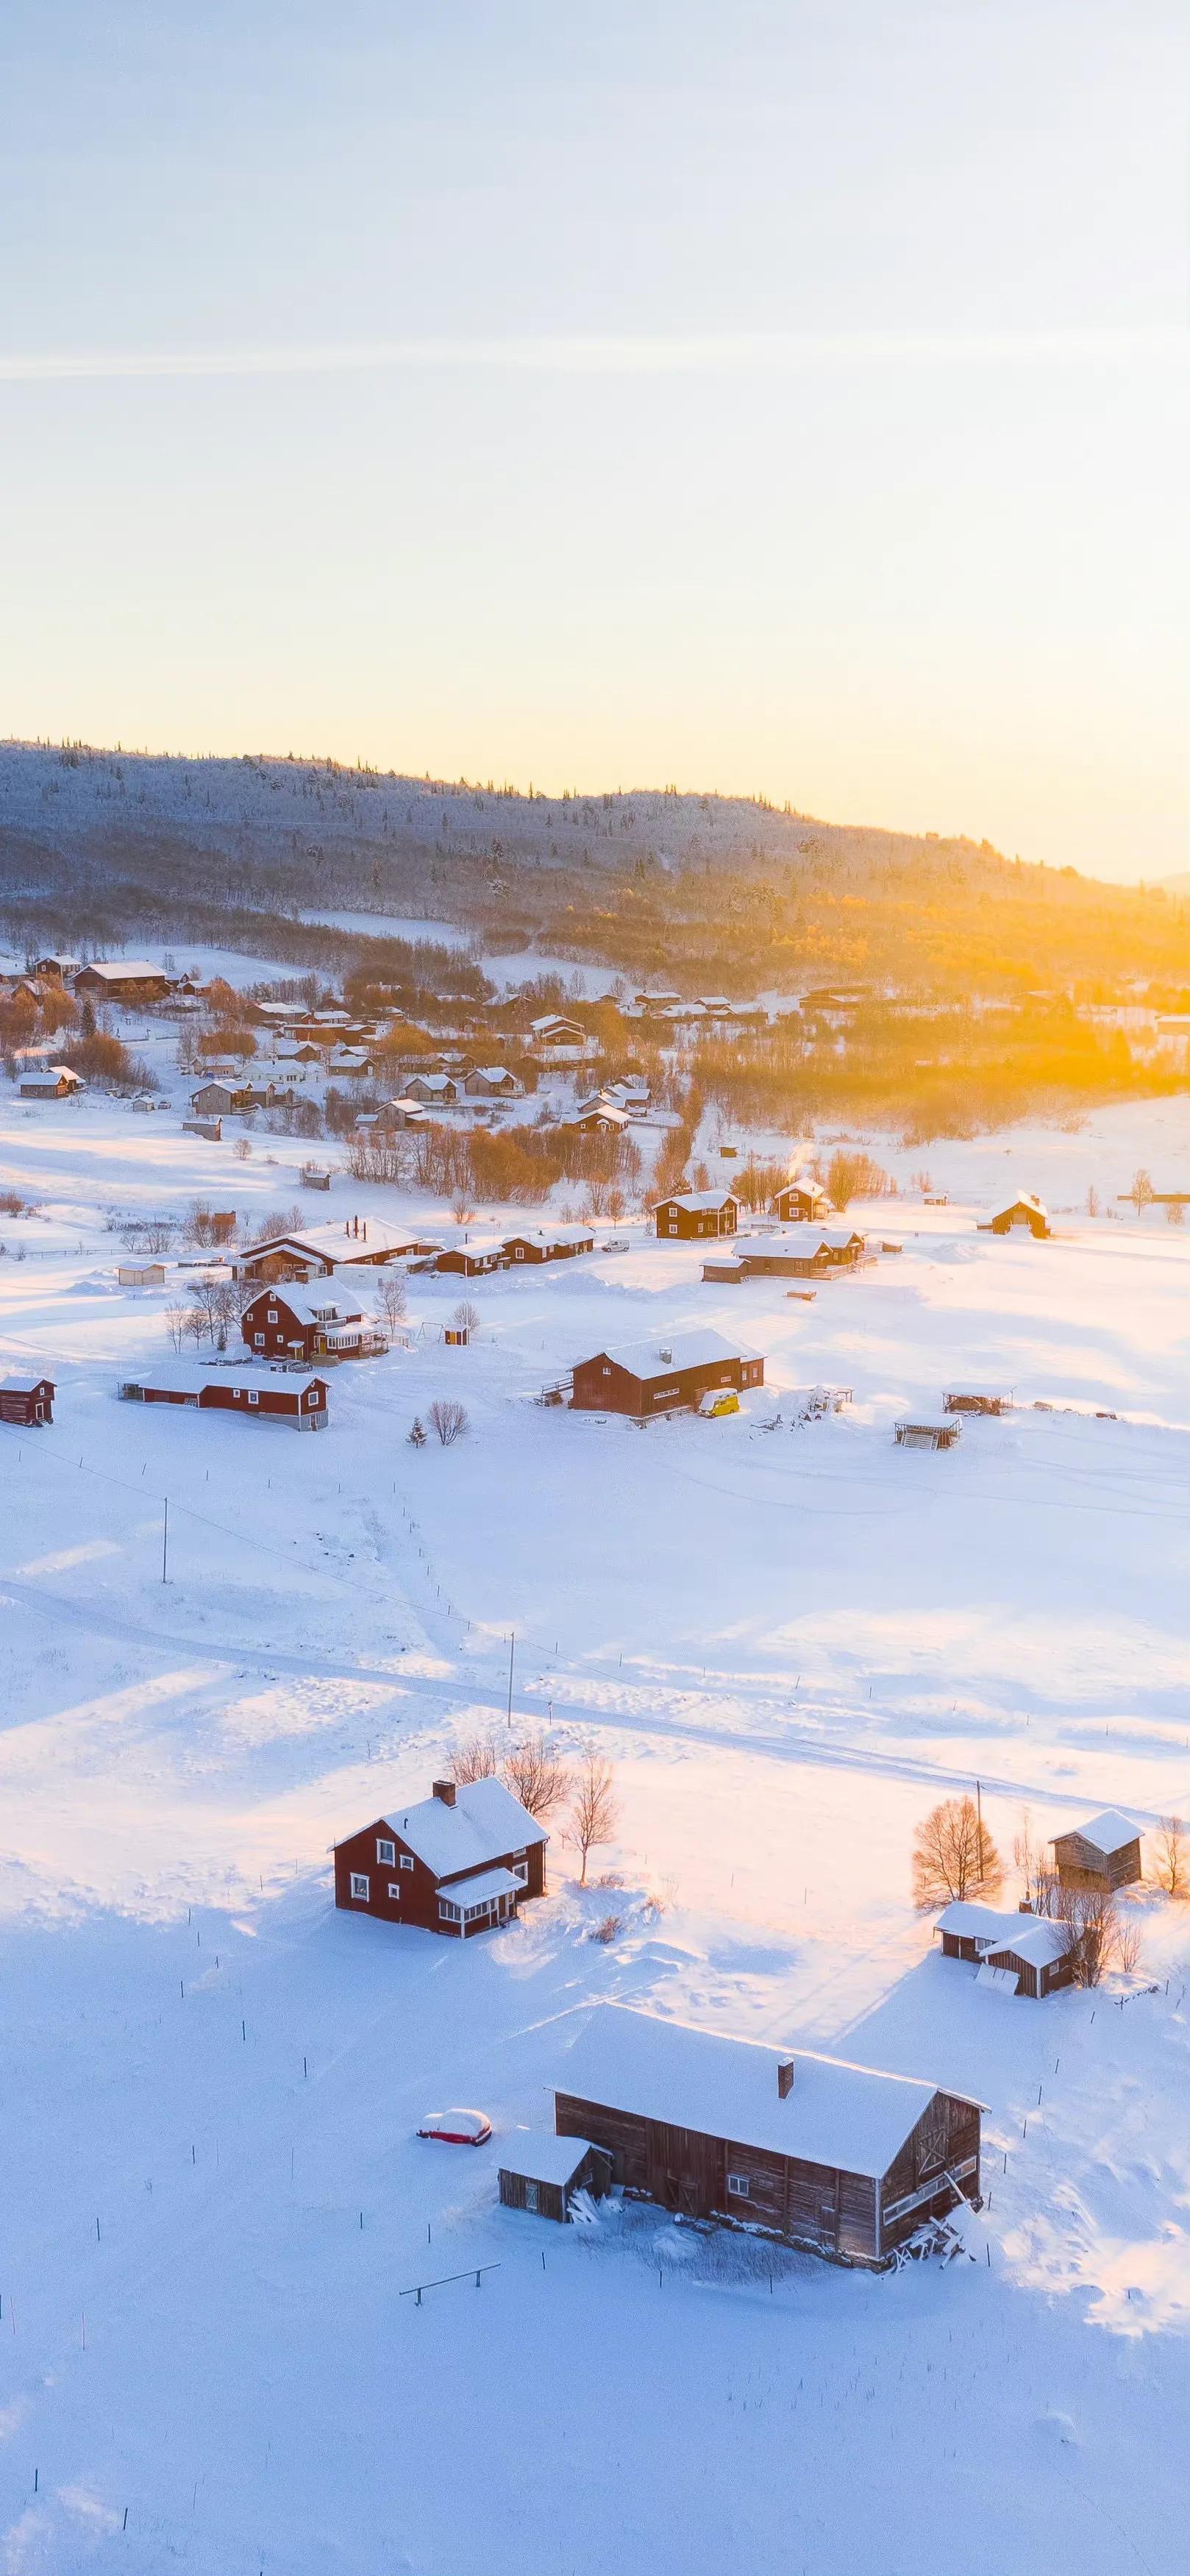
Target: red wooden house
point(27, 1401)
point(309, 1324)
point(696, 1213)
point(644, 1379)
point(459, 1862)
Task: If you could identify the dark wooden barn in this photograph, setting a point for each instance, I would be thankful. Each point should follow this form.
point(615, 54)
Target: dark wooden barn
point(27, 1401)
point(1025, 1954)
point(842, 2159)
point(697, 1213)
point(1101, 1855)
point(275, 1395)
point(460, 1862)
point(540, 2172)
point(643, 1379)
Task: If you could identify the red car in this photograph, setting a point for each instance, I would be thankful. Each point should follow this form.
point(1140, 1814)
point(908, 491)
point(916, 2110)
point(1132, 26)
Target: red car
point(457, 2128)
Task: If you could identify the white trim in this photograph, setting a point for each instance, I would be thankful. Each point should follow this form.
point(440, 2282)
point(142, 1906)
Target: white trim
point(386, 1852)
point(406, 1860)
point(360, 1887)
point(394, 1892)
point(739, 2187)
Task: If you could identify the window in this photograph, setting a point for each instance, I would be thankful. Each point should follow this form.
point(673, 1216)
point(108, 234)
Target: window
point(738, 2187)
point(253, 1398)
point(671, 1229)
point(258, 1338)
point(531, 2195)
point(406, 1862)
point(607, 1372)
point(359, 1887)
point(394, 1891)
point(448, 1913)
point(520, 1866)
point(272, 1314)
point(386, 1851)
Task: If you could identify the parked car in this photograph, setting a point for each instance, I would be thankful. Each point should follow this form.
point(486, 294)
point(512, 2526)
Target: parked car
point(457, 2128)
point(616, 1243)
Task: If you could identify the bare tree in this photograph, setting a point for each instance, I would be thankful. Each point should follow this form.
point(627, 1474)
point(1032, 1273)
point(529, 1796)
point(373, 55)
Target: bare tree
point(1094, 1927)
point(1092, 1201)
point(1038, 1874)
point(465, 1318)
point(954, 1855)
point(474, 1758)
point(593, 1807)
point(854, 1176)
point(461, 1210)
point(175, 1325)
point(1141, 1192)
point(536, 1774)
point(1174, 1212)
point(1172, 1856)
point(1126, 1947)
point(447, 1419)
point(241, 1149)
point(390, 1297)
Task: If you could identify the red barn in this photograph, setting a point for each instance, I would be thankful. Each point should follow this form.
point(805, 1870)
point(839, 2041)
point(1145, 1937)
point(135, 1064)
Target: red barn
point(642, 1379)
point(697, 1213)
point(459, 1862)
point(273, 1395)
point(27, 1401)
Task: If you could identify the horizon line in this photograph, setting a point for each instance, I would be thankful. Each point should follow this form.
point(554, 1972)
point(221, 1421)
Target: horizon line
point(609, 354)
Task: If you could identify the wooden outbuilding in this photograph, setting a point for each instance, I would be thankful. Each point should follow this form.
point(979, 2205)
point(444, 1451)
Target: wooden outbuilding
point(58, 1082)
point(1025, 1211)
point(926, 1435)
point(27, 1402)
point(540, 2172)
point(693, 1214)
point(275, 1395)
point(141, 1274)
point(844, 2160)
point(459, 1862)
point(644, 1379)
point(1101, 1855)
point(1025, 1953)
point(548, 1243)
point(133, 981)
point(976, 1404)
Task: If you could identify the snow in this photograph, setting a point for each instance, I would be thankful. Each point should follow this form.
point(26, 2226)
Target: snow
point(1107, 1833)
point(852, 2117)
point(691, 1349)
point(789, 1641)
point(484, 1822)
point(699, 1202)
point(482, 1884)
point(539, 2156)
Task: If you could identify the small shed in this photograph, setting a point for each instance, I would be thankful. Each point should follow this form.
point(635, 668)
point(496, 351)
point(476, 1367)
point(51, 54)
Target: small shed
point(209, 1128)
point(541, 2173)
point(1027, 1211)
point(141, 1274)
point(27, 1401)
point(957, 1402)
point(926, 1435)
point(1101, 1855)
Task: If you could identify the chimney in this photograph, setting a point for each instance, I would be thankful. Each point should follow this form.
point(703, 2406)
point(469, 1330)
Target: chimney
point(785, 2079)
point(445, 1789)
point(665, 1354)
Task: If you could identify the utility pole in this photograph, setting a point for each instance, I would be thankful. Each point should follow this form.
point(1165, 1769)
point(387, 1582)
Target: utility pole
point(511, 1654)
point(979, 1830)
point(165, 1540)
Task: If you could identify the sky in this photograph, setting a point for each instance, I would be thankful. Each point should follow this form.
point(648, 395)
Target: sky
point(782, 399)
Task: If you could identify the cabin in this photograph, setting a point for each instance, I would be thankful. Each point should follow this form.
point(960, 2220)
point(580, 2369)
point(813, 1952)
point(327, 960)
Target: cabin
point(1027, 1211)
point(273, 1396)
point(27, 1402)
point(541, 2172)
point(57, 1083)
point(460, 1862)
point(492, 1082)
point(141, 1274)
point(133, 981)
point(644, 1379)
point(844, 2160)
point(475, 1259)
point(320, 1249)
point(59, 969)
point(1101, 1855)
point(801, 1203)
point(550, 1033)
point(548, 1243)
point(926, 1435)
point(696, 1213)
point(1014, 1954)
point(800, 1252)
point(294, 1325)
point(220, 1099)
point(598, 1118)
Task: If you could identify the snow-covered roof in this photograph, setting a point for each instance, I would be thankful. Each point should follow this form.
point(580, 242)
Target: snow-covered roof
point(696, 1201)
point(336, 1242)
point(309, 1306)
point(852, 2117)
point(695, 1349)
point(484, 1822)
point(52, 1075)
point(806, 1236)
point(131, 967)
point(482, 1884)
point(545, 1234)
point(1025, 1199)
point(182, 1377)
point(1035, 1937)
point(492, 1072)
point(538, 2156)
point(1107, 1833)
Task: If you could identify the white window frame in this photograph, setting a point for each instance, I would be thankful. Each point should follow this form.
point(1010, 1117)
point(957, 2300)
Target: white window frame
point(386, 1852)
point(272, 1315)
point(253, 1397)
point(738, 2187)
point(258, 1338)
point(447, 1913)
point(394, 1892)
point(520, 1866)
point(361, 1887)
point(406, 1860)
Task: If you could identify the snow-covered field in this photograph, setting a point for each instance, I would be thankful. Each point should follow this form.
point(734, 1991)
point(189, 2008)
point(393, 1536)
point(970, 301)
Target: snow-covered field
point(790, 1642)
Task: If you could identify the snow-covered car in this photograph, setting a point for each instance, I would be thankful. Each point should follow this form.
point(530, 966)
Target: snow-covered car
point(616, 1243)
point(457, 2128)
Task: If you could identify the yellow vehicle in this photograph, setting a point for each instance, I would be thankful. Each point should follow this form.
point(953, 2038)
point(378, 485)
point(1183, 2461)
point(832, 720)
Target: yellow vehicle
point(719, 1399)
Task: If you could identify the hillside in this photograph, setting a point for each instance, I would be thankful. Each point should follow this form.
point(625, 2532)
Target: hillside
point(733, 893)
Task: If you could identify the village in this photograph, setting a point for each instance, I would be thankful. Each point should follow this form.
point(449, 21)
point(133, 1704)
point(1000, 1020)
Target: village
point(382, 1761)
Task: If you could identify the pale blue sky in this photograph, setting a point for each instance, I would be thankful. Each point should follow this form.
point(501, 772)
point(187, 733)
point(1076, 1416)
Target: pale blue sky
point(762, 398)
